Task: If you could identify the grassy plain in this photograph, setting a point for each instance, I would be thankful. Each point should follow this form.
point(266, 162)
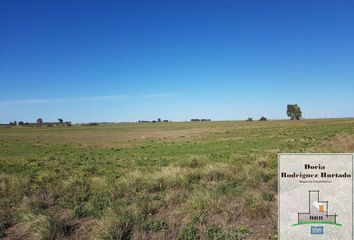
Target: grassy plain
point(200, 180)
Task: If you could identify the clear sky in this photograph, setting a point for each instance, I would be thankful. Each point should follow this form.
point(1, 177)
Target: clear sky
point(129, 60)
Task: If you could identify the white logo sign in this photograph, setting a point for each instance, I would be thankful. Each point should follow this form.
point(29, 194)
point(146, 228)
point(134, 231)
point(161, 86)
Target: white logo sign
point(315, 196)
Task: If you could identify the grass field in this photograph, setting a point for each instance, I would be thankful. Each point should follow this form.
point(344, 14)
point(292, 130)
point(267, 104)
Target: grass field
point(202, 180)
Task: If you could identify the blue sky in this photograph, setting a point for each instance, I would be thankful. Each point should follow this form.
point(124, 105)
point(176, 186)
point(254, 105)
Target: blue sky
point(129, 60)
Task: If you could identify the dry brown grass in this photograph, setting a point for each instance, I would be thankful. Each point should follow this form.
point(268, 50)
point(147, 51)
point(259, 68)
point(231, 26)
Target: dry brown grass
point(343, 142)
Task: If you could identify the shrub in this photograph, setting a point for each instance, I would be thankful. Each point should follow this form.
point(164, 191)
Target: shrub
point(75, 195)
point(201, 203)
point(259, 209)
point(213, 173)
point(115, 225)
point(217, 233)
point(231, 187)
point(5, 219)
point(274, 235)
point(268, 196)
point(195, 162)
point(189, 233)
point(43, 227)
point(241, 233)
point(12, 189)
point(2, 229)
point(156, 225)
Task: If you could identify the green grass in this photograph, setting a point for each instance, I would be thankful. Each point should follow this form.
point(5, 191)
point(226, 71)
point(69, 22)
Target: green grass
point(319, 222)
point(206, 180)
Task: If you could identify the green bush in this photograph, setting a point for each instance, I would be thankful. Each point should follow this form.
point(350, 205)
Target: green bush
point(115, 225)
point(76, 194)
point(231, 187)
point(217, 233)
point(43, 227)
point(189, 233)
point(241, 232)
point(156, 225)
point(268, 196)
point(2, 228)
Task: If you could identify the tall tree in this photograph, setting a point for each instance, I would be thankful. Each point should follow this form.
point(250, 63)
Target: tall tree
point(294, 112)
point(39, 121)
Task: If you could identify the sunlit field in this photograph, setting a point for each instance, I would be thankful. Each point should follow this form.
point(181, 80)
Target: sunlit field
point(193, 180)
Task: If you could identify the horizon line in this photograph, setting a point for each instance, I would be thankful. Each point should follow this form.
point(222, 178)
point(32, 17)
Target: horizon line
point(183, 121)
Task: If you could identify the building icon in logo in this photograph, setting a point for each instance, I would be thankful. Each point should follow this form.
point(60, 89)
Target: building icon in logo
point(318, 211)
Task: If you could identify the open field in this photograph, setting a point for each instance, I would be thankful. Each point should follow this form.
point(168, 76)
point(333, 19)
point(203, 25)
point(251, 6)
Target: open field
point(202, 180)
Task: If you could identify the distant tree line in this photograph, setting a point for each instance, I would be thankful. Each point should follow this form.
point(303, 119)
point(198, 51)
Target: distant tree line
point(154, 121)
point(200, 120)
point(293, 112)
point(39, 122)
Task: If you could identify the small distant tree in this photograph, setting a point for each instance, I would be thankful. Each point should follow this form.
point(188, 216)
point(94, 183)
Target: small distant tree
point(60, 120)
point(39, 121)
point(159, 120)
point(21, 123)
point(15, 123)
point(263, 118)
point(294, 112)
point(249, 119)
